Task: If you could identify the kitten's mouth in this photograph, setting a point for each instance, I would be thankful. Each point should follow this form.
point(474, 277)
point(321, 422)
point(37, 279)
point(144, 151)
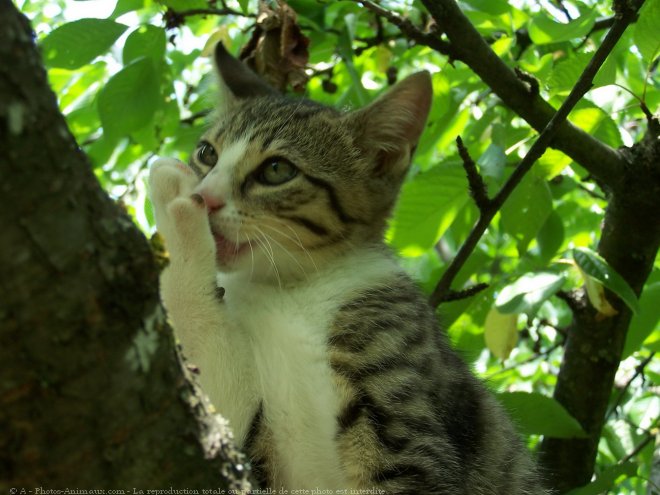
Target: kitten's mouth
point(226, 250)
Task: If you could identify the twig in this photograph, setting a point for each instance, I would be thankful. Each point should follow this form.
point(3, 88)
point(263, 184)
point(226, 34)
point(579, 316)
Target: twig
point(174, 19)
point(478, 189)
point(411, 31)
point(529, 79)
point(197, 115)
point(537, 149)
point(530, 359)
point(454, 295)
point(638, 448)
point(639, 370)
point(559, 4)
point(209, 11)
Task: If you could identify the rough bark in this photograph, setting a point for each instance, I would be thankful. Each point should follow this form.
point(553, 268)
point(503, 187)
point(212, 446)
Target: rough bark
point(92, 392)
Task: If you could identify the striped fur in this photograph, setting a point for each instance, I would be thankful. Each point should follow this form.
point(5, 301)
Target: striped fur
point(322, 353)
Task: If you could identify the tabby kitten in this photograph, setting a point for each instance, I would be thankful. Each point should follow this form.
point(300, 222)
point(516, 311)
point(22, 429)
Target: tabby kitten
point(322, 353)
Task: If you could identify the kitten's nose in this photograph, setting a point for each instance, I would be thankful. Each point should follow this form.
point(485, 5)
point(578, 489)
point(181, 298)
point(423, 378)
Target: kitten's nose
point(212, 201)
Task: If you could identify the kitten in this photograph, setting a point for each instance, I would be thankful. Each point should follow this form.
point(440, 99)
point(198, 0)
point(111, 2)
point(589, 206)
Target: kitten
point(322, 353)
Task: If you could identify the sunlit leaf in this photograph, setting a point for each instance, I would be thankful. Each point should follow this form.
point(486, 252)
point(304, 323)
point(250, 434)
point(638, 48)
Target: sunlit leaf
point(526, 210)
point(427, 207)
point(77, 43)
point(645, 321)
point(537, 414)
point(606, 480)
point(129, 99)
point(543, 29)
point(526, 294)
point(145, 41)
point(646, 30)
point(124, 6)
point(551, 164)
point(567, 72)
point(593, 265)
point(500, 333)
point(180, 5)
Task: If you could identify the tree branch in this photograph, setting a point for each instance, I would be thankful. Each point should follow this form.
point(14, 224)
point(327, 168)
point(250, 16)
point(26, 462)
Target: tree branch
point(467, 45)
point(411, 31)
point(552, 130)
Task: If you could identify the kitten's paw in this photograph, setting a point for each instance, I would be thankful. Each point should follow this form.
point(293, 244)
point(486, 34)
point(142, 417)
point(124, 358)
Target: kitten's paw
point(191, 238)
point(168, 179)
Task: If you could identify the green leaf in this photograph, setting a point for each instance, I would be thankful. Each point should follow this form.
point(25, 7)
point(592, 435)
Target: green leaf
point(526, 294)
point(427, 207)
point(492, 7)
point(567, 71)
point(536, 414)
point(544, 30)
point(596, 267)
point(245, 5)
point(606, 480)
point(551, 163)
point(124, 6)
point(526, 210)
point(180, 5)
point(129, 99)
point(145, 41)
point(597, 122)
point(551, 237)
point(492, 162)
point(346, 51)
point(645, 321)
point(77, 43)
point(500, 333)
point(646, 30)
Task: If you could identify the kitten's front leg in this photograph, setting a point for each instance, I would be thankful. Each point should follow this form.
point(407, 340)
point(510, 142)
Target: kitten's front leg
point(189, 292)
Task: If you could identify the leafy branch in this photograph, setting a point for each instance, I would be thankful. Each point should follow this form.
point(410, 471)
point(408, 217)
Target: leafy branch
point(468, 46)
point(488, 209)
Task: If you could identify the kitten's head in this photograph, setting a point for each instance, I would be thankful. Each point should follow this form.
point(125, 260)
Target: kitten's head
point(290, 183)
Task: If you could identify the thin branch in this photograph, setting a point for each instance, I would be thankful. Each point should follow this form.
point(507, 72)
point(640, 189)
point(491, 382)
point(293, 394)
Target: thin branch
point(217, 12)
point(193, 117)
point(639, 370)
point(478, 189)
point(638, 448)
point(411, 31)
point(530, 359)
point(463, 294)
point(468, 46)
point(174, 19)
point(537, 149)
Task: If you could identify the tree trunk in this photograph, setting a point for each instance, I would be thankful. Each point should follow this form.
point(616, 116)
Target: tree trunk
point(92, 392)
point(629, 242)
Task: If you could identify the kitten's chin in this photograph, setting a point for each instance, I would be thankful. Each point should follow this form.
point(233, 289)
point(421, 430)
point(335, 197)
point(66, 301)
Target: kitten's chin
point(227, 252)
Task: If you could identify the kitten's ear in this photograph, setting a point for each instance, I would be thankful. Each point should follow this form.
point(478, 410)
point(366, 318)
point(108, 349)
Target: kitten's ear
point(390, 127)
point(237, 81)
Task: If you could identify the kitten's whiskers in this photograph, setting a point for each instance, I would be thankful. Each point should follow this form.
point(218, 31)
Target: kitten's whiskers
point(268, 249)
point(291, 255)
point(297, 240)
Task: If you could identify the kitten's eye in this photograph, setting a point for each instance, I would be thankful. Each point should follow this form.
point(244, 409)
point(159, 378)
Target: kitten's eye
point(276, 171)
point(207, 154)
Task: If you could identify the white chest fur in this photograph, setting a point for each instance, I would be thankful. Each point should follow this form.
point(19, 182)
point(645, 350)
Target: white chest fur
point(286, 331)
